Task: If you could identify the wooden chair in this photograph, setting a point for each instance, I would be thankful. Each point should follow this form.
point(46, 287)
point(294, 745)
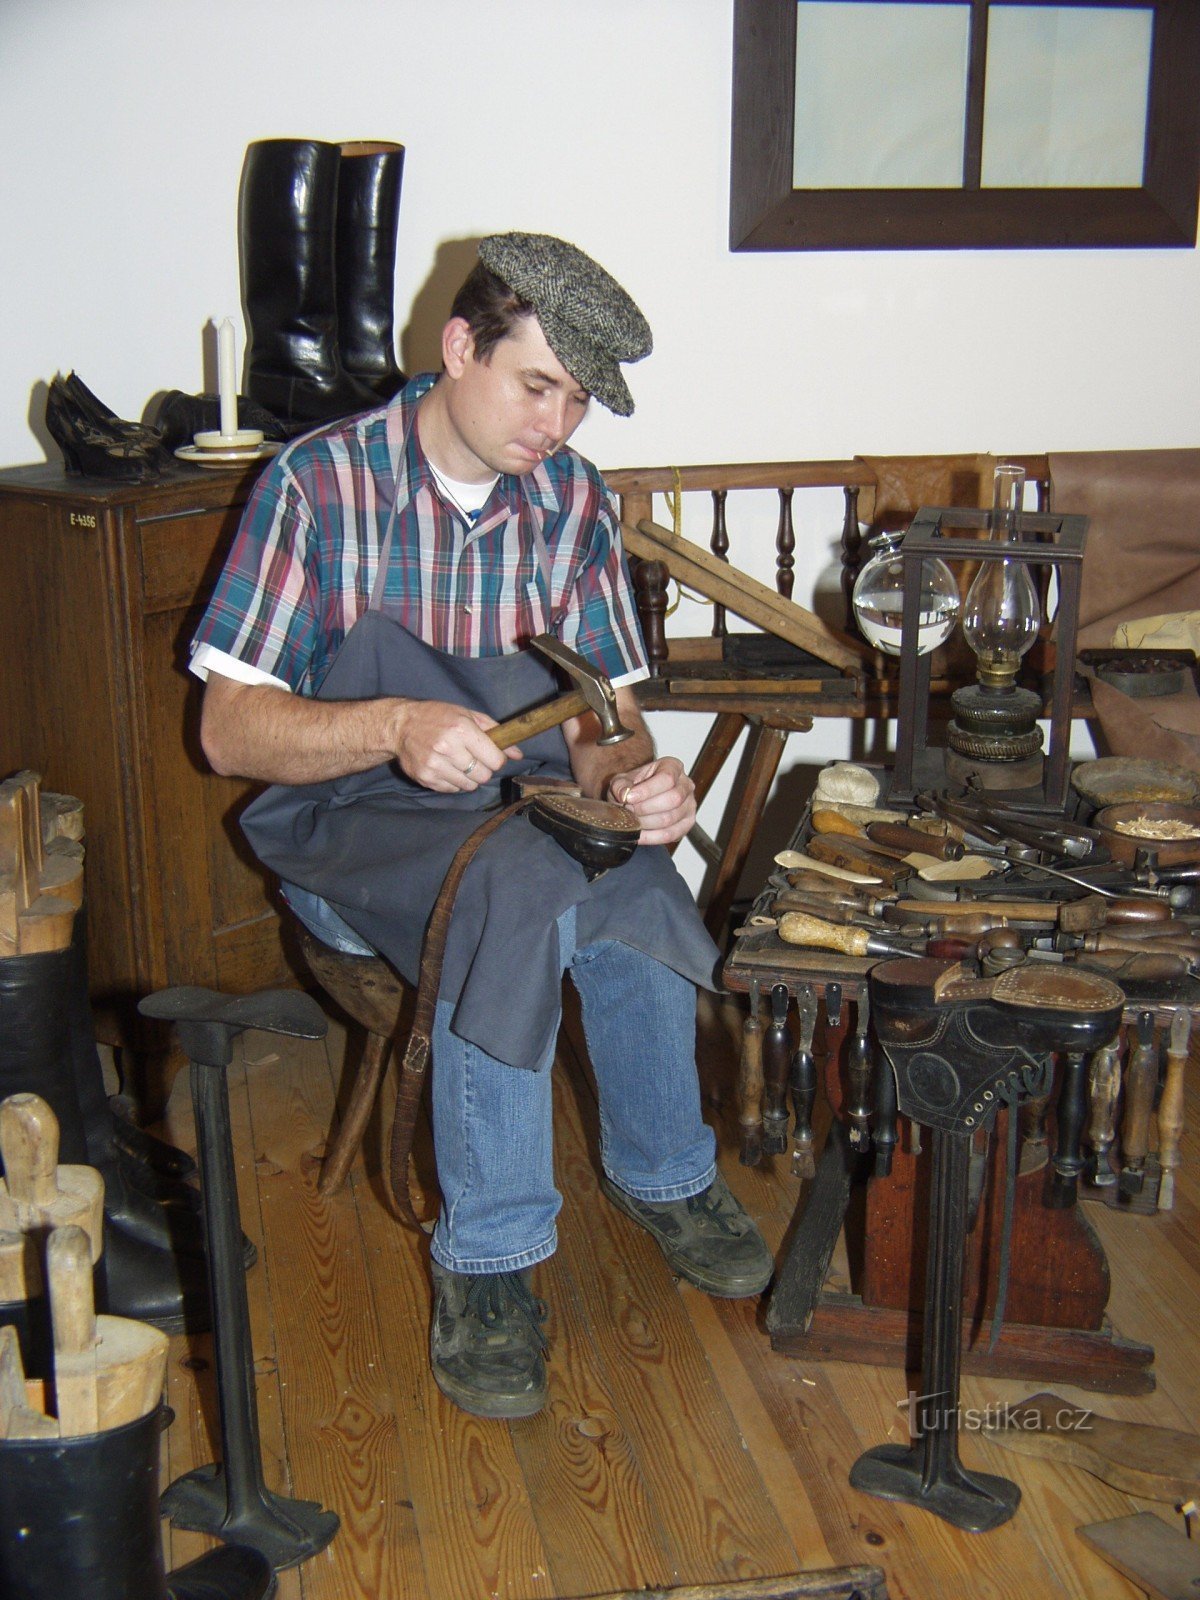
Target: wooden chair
point(370, 992)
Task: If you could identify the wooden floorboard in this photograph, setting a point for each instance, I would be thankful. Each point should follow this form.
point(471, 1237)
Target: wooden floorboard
point(677, 1447)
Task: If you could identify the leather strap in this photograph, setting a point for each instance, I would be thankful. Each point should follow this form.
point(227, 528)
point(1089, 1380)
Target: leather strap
point(415, 1061)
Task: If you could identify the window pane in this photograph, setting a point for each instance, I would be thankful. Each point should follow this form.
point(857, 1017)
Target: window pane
point(1065, 97)
point(880, 95)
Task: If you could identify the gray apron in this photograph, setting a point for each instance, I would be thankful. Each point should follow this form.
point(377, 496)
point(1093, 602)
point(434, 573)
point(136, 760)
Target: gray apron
point(377, 846)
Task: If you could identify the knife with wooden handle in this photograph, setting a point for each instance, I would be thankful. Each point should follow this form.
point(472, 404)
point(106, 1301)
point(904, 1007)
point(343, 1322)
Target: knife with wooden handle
point(73, 1318)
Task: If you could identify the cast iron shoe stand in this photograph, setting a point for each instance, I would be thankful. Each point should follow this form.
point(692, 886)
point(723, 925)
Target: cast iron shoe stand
point(229, 1499)
point(960, 1047)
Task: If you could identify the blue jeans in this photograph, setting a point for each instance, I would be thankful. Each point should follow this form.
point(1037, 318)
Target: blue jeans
point(492, 1122)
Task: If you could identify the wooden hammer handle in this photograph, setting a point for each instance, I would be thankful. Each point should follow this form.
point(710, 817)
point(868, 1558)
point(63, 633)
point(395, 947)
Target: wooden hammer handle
point(538, 720)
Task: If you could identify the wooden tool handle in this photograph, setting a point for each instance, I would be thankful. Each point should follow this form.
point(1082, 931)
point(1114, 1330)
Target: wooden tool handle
point(899, 837)
point(835, 890)
point(1140, 1082)
point(816, 906)
point(750, 1083)
point(538, 720)
point(952, 910)
point(73, 1314)
point(1170, 1107)
point(29, 1146)
point(1104, 1088)
point(797, 927)
point(1140, 910)
point(17, 1419)
point(850, 857)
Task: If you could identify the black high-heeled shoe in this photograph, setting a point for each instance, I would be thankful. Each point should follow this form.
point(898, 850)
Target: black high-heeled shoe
point(91, 407)
point(88, 450)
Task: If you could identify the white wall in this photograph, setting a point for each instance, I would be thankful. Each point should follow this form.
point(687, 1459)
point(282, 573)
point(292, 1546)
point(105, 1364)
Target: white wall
point(124, 124)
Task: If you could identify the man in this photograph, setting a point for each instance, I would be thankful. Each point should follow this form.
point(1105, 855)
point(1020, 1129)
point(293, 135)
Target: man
point(371, 625)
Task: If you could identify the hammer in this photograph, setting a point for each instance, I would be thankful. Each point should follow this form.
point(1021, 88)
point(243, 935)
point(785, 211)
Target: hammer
point(595, 693)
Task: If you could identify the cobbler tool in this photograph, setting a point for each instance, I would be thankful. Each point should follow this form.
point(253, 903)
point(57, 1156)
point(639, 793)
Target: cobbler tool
point(73, 1315)
point(796, 927)
point(1141, 1080)
point(851, 856)
point(37, 1193)
point(1135, 1457)
point(595, 693)
point(858, 1071)
point(804, 1085)
point(750, 1082)
point(230, 1499)
point(18, 1419)
point(960, 1047)
point(1170, 1106)
point(1104, 1088)
point(776, 1058)
point(1070, 1113)
point(108, 1371)
point(898, 836)
point(1155, 1556)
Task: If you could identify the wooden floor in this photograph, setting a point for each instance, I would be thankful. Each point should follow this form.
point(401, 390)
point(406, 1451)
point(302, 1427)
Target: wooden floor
point(677, 1448)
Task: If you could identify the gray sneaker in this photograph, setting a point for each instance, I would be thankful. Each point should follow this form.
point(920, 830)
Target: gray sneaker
point(707, 1239)
point(486, 1344)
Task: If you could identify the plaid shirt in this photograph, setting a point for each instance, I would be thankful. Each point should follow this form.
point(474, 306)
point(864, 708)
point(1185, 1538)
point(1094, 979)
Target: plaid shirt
point(301, 569)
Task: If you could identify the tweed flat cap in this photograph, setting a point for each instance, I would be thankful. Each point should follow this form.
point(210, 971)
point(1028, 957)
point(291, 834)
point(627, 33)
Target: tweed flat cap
point(589, 321)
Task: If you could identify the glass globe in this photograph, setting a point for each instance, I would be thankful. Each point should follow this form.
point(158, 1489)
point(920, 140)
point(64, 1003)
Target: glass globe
point(878, 598)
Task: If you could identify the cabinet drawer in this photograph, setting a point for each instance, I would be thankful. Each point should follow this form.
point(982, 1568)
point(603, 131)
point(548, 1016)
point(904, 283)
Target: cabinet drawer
point(182, 557)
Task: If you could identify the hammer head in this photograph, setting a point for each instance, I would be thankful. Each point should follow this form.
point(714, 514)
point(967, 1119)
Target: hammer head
point(592, 684)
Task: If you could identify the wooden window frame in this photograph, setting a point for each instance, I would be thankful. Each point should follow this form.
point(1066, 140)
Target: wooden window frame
point(767, 213)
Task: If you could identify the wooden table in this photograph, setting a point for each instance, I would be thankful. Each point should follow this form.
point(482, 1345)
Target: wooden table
point(1054, 1326)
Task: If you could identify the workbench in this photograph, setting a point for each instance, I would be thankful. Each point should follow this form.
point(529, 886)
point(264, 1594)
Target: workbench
point(1054, 1326)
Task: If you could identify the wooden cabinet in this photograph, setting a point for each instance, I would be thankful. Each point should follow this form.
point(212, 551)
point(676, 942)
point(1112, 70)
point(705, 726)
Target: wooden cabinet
point(101, 588)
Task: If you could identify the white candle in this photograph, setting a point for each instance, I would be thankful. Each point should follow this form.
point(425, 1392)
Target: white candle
point(226, 379)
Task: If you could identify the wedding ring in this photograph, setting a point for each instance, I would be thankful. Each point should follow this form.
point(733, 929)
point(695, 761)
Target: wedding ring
point(470, 767)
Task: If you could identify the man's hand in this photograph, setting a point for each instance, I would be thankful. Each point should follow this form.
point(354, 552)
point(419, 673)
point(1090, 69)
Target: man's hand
point(661, 796)
point(261, 731)
point(445, 747)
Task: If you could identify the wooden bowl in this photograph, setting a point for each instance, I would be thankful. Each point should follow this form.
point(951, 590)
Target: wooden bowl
point(1124, 846)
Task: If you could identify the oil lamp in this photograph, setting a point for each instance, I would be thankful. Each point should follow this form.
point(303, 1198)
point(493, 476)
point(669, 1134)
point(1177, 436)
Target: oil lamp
point(993, 735)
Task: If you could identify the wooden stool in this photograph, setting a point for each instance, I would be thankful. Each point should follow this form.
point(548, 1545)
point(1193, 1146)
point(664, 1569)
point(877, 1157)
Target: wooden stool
point(368, 990)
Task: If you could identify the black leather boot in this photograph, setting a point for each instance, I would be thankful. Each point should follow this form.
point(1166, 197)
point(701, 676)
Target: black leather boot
point(368, 219)
point(141, 1274)
point(127, 1204)
point(287, 209)
point(80, 1516)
